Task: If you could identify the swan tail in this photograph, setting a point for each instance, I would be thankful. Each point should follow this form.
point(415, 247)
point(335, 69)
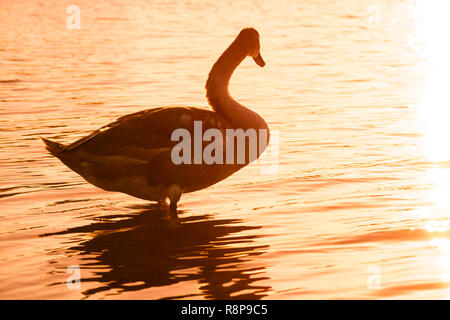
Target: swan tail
point(53, 147)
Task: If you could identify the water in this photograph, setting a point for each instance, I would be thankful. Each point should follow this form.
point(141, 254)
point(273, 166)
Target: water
point(358, 208)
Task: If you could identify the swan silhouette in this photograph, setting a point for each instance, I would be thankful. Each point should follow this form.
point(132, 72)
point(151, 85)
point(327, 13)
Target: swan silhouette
point(133, 154)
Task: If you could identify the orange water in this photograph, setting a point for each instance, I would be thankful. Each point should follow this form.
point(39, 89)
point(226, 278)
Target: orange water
point(359, 207)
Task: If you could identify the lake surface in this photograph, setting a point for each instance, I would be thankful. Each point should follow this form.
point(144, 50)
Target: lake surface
point(358, 208)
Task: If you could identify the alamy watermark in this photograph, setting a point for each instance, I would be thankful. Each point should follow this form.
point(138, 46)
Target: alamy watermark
point(74, 18)
point(74, 280)
point(374, 279)
point(235, 139)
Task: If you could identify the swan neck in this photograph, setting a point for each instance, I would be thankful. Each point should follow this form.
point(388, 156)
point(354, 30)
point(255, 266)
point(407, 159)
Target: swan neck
point(217, 89)
point(221, 72)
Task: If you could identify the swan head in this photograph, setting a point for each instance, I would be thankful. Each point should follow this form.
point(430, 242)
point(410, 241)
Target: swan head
point(249, 38)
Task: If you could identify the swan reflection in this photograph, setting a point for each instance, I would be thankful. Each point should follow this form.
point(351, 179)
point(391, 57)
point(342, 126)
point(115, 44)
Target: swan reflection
point(147, 249)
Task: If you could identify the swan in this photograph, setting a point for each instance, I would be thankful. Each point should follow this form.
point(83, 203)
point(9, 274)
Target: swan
point(134, 154)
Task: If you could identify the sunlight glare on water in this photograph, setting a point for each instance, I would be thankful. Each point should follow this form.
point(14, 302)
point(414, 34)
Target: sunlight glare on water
point(434, 109)
point(358, 207)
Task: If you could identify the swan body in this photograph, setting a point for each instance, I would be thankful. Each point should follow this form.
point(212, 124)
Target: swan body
point(133, 154)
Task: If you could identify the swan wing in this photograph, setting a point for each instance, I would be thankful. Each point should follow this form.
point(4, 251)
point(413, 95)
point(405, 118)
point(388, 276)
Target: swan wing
point(143, 133)
point(140, 144)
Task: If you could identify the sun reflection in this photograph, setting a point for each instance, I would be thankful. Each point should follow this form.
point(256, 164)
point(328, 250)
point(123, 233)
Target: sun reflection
point(434, 109)
point(443, 262)
point(432, 17)
point(441, 188)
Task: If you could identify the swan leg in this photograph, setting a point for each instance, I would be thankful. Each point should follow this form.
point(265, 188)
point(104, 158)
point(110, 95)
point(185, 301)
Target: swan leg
point(162, 202)
point(172, 216)
point(174, 194)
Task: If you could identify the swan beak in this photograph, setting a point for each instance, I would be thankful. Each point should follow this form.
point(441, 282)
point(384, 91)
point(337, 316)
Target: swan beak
point(259, 60)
